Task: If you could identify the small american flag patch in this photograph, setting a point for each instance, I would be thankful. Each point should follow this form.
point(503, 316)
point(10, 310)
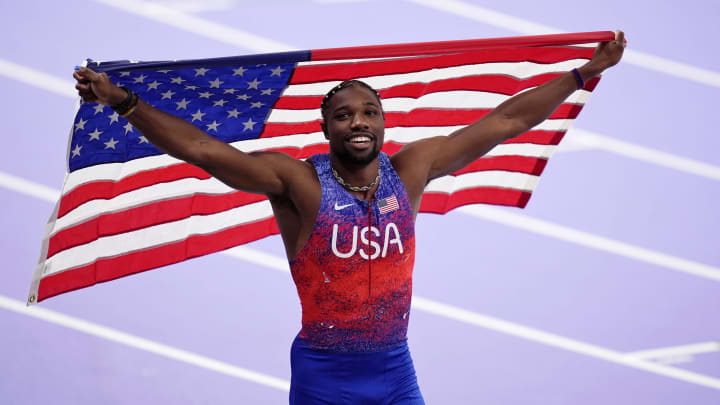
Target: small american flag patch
point(389, 204)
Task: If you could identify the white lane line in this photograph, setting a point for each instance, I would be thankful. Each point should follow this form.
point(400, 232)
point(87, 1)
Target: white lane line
point(526, 27)
point(197, 25)
point(140, 343)
point(589, 139)
point(462, 315)
point(509, 328)
point(37, 78)
point(545, 228)
point(28, 187)
point(674, 352)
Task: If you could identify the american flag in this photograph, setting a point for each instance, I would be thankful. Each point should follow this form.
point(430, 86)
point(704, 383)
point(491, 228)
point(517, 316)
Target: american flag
point(126, 207)
point(389, 204)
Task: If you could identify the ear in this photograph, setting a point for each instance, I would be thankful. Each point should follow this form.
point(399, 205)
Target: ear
point(324, 129)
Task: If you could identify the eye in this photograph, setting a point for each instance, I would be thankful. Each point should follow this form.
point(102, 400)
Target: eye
point(371, 112)
point(341, 115)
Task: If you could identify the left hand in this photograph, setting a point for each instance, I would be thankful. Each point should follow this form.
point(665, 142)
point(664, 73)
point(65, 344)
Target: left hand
point(607, 54)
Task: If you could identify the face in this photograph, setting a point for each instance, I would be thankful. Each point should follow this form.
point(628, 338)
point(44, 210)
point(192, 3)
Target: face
point(354, 125)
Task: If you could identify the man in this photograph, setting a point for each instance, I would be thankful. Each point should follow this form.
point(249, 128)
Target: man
point(347, 219)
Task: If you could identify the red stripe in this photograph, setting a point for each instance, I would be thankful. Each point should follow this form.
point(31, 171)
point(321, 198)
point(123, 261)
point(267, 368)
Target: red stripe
point(154, 213)
point(353, 70)
point(428, 48)
point(115, 267)
point(440, 203)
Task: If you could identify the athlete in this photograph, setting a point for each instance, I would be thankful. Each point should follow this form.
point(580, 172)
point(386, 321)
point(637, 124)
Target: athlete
point(347, 220)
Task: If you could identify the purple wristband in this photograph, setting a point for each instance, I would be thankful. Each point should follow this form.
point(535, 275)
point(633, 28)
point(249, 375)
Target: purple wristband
point(578, 79)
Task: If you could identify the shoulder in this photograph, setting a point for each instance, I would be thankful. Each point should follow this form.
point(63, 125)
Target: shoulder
point(414, 156)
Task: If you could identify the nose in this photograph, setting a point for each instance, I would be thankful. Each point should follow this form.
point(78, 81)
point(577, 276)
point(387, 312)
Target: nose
point(359, 122)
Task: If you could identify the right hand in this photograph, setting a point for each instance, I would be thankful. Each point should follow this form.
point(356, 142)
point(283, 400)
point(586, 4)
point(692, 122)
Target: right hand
point(96, 87)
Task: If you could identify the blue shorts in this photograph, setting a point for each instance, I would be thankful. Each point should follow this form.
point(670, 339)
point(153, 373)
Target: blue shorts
point(325, 377)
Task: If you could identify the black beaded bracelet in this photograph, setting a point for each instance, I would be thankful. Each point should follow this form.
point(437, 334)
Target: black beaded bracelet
point(127, 106)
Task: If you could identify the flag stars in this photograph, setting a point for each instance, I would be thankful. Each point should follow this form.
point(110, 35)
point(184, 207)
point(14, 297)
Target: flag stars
point(277, 71)
point(266, 92)
point(220, 103)
point(189, 87)
point(95, 135)
point(166, 71)
point(257, 104)
point(142, 139)
point(80, 124)
point(128, 128)
point(111, 144)
point(98, 109)
point(201, 72)
point(229, 91)
point(153, 86)
point(215, 84)
point(123, 74)
point(249, 124)
point(239, 71)
point(243, 97)
point(177, 80)
point(254, 84)
point(167, 95)
point(140, 79)
point(205, 94)
point(198, 116)
point(113, 118)
point(182, 105)
point(234, 113)
point(76, 151)
point(213, 126)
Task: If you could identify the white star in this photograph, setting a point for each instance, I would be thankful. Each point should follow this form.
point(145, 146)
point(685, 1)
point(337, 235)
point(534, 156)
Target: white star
point(266, 92)
point(239, 71)
point(249, 124)
point(168, 94)
point(123, 74)
point(229, 91)
point(182, 104)
point(95, 135)
point(233, 113)
point(166, 71)
point(153, 85)
point(143, 139)
point(254, 84)
point(220, 103)
point(76, 151)
point(257, 104)
point(261, 64)
point(201, 72)
point(188, 87)
point(98, 109)
point(111, 143)
point(113, 118)
point(215, 83)
point(177, 80)
point(243, 97)
point(206, 94)
point(197, 116)
point(213, 126)
point(80, 124)
point(277, 71)
point(140, 79)
point(128, 128)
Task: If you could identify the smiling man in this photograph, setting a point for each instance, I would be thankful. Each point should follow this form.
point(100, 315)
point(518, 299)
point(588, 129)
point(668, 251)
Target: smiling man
point(347, 220)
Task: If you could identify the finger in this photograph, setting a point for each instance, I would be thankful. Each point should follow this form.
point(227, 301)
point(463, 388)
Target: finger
point(620, 38)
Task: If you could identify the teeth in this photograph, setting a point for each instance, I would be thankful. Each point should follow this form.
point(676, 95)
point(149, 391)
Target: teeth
point(360, 139)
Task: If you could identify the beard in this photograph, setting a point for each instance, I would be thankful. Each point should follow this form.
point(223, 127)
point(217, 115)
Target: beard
point(364, 159)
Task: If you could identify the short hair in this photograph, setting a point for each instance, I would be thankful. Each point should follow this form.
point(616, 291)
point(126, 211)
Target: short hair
point(344, 85)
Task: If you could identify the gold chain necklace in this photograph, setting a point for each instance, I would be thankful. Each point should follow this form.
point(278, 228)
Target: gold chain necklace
point(355, 188)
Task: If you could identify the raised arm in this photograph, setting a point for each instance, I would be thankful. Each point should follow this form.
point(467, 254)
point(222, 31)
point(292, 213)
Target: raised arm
point(262, 172)
point(430, 158)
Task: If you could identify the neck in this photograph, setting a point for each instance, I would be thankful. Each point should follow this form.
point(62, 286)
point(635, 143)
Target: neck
point(357, 175)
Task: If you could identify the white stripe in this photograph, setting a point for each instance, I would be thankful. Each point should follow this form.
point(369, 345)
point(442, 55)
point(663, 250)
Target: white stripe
point(656, 157)
point(567, 234)
point(518, 70)
point(38, 79)
point(509, 328)
point(196, 25)
point(525, 27)
point(488, 178)
point(28, 187)
point(143, 344)
point(684, 350)
point(157, 235)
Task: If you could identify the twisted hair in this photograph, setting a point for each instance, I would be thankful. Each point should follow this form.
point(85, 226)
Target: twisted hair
point(344, 85)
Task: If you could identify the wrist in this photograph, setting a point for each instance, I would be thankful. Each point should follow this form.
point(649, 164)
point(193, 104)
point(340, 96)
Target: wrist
point(117, 96)
point(588, 71)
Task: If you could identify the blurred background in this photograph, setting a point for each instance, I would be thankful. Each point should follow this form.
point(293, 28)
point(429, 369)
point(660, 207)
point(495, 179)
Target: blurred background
point(605, 289)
